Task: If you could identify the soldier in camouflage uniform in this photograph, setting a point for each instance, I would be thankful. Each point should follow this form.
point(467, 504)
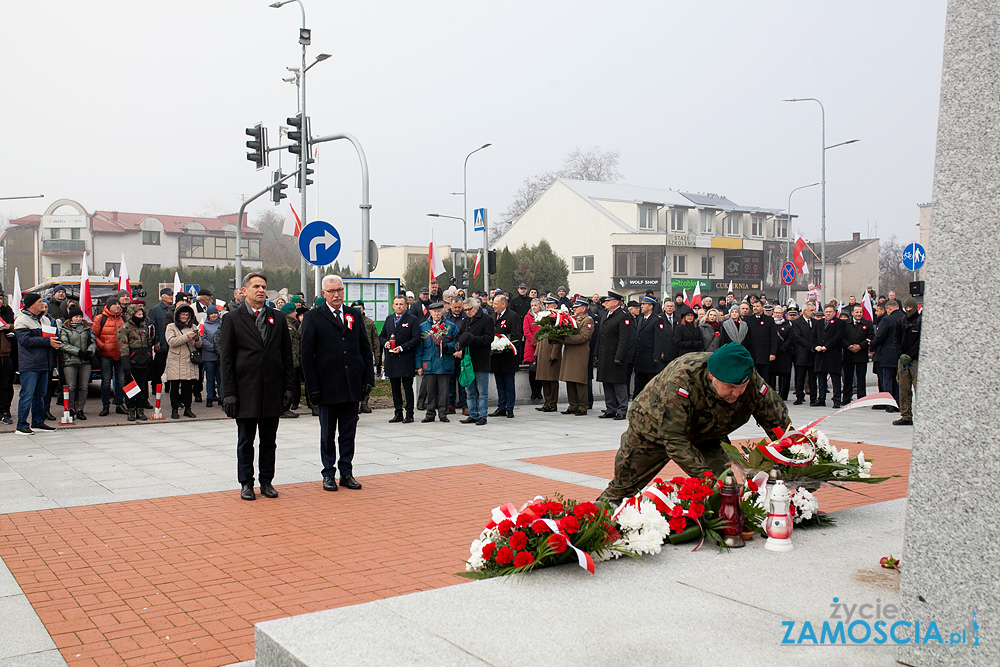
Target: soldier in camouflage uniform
point(293, 322)
point(372, 331)
point(686, 411)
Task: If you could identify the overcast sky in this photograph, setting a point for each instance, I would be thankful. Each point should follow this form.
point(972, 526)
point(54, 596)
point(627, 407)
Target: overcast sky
point(142, 106)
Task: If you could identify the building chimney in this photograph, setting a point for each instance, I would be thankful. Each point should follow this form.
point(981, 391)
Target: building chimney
point(114, 216)
point(857, 237)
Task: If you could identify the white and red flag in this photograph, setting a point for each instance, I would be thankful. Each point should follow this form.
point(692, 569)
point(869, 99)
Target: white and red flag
point(131, 389)
point(48, 331)
point(696, 296)
point(292, 229)
point(797, 259)
point(730, 288)
point(434, 262)
point(476, 266)
point(866, 306)
point(15, 298)
point(123, 282)
point(178, 288)
point(687, 301)
point(86, 304)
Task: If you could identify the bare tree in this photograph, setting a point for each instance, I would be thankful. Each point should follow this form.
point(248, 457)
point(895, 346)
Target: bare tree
point(892, 275)
point(276, 249)
point(592, 165)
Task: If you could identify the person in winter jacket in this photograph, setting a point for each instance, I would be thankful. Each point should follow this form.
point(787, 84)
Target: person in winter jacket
point(182, 339)
point(435, 362)
point(105, 327)
point(78, 349)
point(36, 358)
point(8, 358)
point(529, 328)
point(209, 355)
point(135, 345)
point(687, 335)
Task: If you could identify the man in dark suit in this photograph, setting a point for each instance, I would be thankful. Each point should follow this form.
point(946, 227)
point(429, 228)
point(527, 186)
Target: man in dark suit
point(400, 337)
point(858, 334)
point(338, 368)
point(258, 380)
point(504, 364)
point(611, 353)
point(803, 353)
point(763, 341)
point(650, 345)
point(828, 336)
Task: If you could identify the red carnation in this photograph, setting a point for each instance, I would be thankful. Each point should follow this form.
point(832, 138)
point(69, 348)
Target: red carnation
point(569, 524)
point(523, 558)
point(696, 510)
point(584, 510)
point(522, 520)
point(488, 550)
point(558, 543)
point(677, 525)
point(518, 540)
point(540, 526)
point(709, 474)
point(505, 527)
point(752, 484)
point(677, 480)
point(504, 555)
point(676, 511)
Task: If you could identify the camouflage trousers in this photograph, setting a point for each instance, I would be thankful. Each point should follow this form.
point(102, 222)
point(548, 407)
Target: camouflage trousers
point(639, 461)
point(906, 376)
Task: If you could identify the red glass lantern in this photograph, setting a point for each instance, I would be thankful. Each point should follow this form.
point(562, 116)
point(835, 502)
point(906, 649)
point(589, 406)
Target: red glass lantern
point(731, 512)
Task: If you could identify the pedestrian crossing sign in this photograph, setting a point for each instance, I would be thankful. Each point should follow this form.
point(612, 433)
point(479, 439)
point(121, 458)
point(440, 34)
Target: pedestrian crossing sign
point(479, 219)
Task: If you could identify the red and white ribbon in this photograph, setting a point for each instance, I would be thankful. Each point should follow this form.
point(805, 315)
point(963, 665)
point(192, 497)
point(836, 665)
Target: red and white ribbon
point(507, 511)
point(583, 559)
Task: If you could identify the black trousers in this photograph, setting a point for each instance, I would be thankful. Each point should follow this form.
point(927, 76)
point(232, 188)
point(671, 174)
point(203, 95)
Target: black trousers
point(399, 385)
point(801, 373)
point(855, 371)
point(141, 377)
point(180, 393)
point(821, 384)
point(246, 430)
point(342, 416)
point(159, 365)
point(6, 384)
point(783, 381)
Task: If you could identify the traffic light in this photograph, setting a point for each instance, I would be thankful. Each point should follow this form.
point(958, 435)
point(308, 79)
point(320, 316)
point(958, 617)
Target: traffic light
point(463, 276)
point(299, 135)
point(491, 261)
point(257, 145)
point(276, 190)
point(309, 181)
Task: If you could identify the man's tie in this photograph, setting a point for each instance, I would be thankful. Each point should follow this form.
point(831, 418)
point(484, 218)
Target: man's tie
point(336, 315)
point(261, 323)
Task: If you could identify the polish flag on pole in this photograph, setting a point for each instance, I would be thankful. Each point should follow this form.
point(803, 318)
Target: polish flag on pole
point(178, 288)
point(696, 296)
point(797, 259)
point(476, 266)
point(289, 228)
point(866, 306)
point(15, 298)
point(434, 262)
point(687, 301)
point(123, 282)
point(131, 389)
point(86, 303)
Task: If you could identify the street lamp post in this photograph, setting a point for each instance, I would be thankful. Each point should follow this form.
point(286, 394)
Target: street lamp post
point(464, 228)
point(822, 116)
point(788, 231)
point(465, 215)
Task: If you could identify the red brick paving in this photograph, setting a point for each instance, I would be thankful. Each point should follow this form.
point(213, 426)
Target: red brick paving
point(887, 461)
point(182, 580)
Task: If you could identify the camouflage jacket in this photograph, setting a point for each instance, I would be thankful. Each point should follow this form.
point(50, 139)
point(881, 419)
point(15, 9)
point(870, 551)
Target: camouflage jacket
point(373, 339)
point(293, 332)
point(135, 344)
point(680, 408)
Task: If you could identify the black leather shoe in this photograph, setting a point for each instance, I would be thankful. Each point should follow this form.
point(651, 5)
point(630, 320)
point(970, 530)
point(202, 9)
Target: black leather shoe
point(48, 415)
point(581, 413)
point(542, 409)
point(208, 403)
point(510, 414)
point(268, 491)
point(396, 419)
point(481, 422)
point(818, 404)
point(247, 492)
point(605, 415)
point(329, 484)
point(120, 410)
point(888, 408)
point(444, 419)
point(408, 419)
point(898, 422)
point(427, 420)
point(619, 418)
point(174, 414)
point(349, 482)
point(104, 411)
point(798, 401)
point(468, 420)
point(197, 398)
point(879, 407)
point(568, 412)
point(836, 405)
point(188, 413)
point(498, 413)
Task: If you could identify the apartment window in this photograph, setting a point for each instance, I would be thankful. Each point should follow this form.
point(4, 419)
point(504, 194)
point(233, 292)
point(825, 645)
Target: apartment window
point(707, 265)
point(677, 220)
point(733, 224)
point(150, 238)
point(705, 226)
point(756, 225)
point(151, 266)
point(55, 233)
point(647, 218)
point(112, 266)
point(680, 264)
point(74, 233)
point(74, 269)
point(585, 263)
point(638, 261)
point(781, 228)
point(56, 270)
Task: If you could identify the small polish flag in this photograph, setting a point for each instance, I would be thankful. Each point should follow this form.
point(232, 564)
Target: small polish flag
point(131, 389)
point(476, 266)
point(3, 323)
point(219, 303)
point(763, 390)
point(48, 331)
point(682, 392)
point(730, 287)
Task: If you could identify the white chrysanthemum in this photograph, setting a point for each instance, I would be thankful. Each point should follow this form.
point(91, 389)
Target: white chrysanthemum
point(656, 523)
point(864, 467)
point(841, 473)
point(476, 548)
point(475, 563)
point(645, 542)
point(805, 504)
point(842, 456)
point(800, 451)
point(630, 518)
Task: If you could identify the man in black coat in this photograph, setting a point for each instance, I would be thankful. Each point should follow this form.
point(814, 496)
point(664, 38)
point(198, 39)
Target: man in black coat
point(611, 357)
point(258, 380)
point(474, 339)
point(906, 335)
point(650, 344)
point(521, 303)
point(763, 341)
point(781, 369)
point(828, 337)
point(338, 367)
point(504, 364)
point(803, 354)
point(883, 345)
point(671, 319)
point(399, 338)
point(858, 334)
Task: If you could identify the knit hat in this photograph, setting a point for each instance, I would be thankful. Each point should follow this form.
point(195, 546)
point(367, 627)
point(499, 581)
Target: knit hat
point(73, 310)
point(29, 299)
point(909, 302)
point(111, 301)
point(59, 288)
point(731, 363)
point(212, 309)
point(166, 290)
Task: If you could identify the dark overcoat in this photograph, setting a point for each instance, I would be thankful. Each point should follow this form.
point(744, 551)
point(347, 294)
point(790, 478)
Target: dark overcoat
point(688, 339)
point(782, 364)
point(508, 323)
point(829, 334)
point(407, 333)
point(802, 335)
point(857, 334)
point(651, 344)
point(612, 347)
point(762, 339)
point(475, 337)
point(883, 344)
point(255, 370)
point(336, 358)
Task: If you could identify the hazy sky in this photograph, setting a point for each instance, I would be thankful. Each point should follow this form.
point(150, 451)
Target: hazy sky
point(142, 106)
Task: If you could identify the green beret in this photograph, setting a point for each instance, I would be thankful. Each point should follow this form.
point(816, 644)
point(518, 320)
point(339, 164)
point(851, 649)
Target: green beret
point(288, 308)
point(318, 302)
point(731, 363)
point(295, 298)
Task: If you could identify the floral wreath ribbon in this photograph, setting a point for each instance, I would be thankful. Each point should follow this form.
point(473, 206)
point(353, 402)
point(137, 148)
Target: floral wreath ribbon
point(663, 505)
point(772, 450)
point(508, 511)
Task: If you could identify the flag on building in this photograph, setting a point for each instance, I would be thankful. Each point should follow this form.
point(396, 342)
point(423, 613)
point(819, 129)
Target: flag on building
point(797, 259)
point(123, 282)
point(131, 389)
point(15, 298)
point(86, 303)
point(435, 265)
point(476, 266)
point(696, 296)
point(178, 288)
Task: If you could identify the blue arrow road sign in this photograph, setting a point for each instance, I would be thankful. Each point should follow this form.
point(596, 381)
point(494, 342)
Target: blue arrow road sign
point(914, 257)
point(479, 219)
point(788, 273)
point(319, 243)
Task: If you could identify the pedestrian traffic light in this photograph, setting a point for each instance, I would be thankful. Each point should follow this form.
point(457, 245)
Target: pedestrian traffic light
point(257, 145)
point(491, 261)
point(463, 276)
point(309, 181)
point(276, 189)
point(232, 283)
point(299, 135)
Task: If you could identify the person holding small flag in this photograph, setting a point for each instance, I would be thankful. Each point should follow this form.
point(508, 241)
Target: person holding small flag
point(37, 344)
point(136, 350)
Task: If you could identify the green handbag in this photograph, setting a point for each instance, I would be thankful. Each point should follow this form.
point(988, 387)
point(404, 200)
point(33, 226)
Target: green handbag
point(466, 376)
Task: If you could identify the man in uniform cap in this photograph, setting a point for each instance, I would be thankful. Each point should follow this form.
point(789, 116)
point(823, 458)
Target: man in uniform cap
point(575, 368)
point(686, 411)
point(372, 331)
point(612, 353)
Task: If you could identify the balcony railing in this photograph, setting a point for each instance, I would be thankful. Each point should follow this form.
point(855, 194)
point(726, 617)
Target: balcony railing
point(63, 245)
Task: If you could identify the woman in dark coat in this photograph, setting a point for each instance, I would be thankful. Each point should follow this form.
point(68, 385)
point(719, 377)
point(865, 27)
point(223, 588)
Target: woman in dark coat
point(686, 334)
point(781, 367)
point(399, 339)
point(734, 329)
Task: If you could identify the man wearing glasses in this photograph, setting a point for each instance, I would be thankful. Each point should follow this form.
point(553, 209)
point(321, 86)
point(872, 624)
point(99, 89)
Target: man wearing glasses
point(338, 369)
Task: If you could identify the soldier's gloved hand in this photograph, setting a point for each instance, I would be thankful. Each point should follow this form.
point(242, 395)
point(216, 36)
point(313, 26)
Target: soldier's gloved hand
point(906, 359)
point(286, 400)
point(314, 398)
point(618, 362)
point(230, 406)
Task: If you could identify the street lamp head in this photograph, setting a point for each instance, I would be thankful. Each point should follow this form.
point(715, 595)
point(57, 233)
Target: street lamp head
point(485, 146)
point(280, 3)
point(323, 56)
point(434, 215)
